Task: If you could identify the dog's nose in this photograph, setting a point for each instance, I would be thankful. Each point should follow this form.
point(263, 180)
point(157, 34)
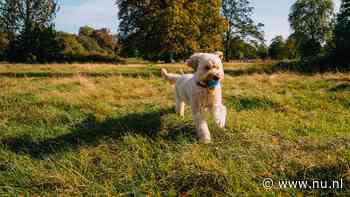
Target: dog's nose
point(216, 78)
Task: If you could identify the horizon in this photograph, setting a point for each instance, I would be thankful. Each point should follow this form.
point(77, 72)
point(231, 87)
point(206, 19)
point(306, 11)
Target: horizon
point(104, 14)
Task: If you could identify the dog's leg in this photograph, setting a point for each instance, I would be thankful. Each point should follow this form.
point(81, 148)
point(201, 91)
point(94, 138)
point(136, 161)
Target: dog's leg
point(201, 124)
point(180, 105)
point(180, 108)
point(202, 128)
point(219, 113)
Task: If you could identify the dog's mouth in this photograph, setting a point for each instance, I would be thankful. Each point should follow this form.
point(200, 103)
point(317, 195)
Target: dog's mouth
point(214, 77)
point(211, 81)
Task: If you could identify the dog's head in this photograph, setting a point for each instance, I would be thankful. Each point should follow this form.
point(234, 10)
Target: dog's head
point(207, 66)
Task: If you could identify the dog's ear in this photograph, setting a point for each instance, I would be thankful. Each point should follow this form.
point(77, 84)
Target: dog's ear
point(193, 62)
point(220, 54)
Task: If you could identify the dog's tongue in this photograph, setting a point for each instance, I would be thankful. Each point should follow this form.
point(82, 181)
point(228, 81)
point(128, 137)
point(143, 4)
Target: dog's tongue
point(213, 84)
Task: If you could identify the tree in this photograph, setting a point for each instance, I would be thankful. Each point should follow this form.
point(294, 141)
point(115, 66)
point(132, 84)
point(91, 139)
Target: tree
point(89, 44)
point(277, 49)
point(291, 47)
point(3, 45)
point(262, 51)
point(25, 22)
point(311, 21)
point(98, 47)
point(40, 45)
point(170, 29)
point(23, 15)
point(342, 35)
point(241, 26)
point(86, 31)
point(104, 38)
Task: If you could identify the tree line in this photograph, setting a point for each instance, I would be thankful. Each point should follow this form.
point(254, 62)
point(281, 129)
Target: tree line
point(169, 30)
point(27, 34)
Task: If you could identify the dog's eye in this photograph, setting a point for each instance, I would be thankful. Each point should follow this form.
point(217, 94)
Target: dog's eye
point(207, 67)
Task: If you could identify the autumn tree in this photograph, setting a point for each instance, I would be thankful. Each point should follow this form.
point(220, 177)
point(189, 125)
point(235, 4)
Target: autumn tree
point(241, 26)
point(171, 29)
point(311, 22)
point(104, 38)
point(291, 47)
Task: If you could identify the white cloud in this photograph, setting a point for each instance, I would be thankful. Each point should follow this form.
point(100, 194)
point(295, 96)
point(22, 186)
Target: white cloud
point(95, 13)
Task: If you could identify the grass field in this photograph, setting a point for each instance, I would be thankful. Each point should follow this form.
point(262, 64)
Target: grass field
point(107, 130)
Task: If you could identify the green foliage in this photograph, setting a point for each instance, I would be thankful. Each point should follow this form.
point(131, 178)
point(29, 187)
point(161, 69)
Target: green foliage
point(20, 16)
point(240, 50)
point(238, 14)
point(104, 39)
point(291, 47)
point(29, 26)
point(98, 47)
point(89, 43)
point(262, 51)
point(3, 45)
point(38, 45)
point(71, 44)
point(171, 29)
point(278, 49)
point(311, 21)
point(86, 31)
point(342, 36)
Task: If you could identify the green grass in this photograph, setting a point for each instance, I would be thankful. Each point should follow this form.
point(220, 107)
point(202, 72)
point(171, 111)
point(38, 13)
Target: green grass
point(105, 130)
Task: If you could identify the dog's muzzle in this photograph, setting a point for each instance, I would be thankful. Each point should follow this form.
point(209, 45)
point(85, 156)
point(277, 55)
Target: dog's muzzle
point(211, 82)
point(215, 77)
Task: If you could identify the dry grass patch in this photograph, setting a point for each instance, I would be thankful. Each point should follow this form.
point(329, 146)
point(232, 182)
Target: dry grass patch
point(109, 130)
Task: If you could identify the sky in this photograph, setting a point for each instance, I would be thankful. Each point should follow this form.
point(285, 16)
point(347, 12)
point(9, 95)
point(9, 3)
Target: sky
point(104, 13)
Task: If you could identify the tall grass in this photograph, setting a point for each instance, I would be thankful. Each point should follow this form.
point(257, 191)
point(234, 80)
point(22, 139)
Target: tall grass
point(106, 130)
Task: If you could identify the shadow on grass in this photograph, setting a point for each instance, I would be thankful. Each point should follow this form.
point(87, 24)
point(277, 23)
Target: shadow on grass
point(203, 183)
point(329, 179)
point(249, 103)
point(89, 132)
point(340, 88)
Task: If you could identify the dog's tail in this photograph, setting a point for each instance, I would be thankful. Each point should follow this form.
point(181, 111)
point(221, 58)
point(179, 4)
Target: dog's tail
point(172, 78)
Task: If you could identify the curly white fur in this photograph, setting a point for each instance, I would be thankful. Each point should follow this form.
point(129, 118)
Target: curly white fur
point(191, 89)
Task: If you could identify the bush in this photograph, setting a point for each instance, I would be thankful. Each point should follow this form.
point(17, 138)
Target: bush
point(84, 48)
point(70, 44)
point(44, 44)
point(90, 44)
point(319, 63)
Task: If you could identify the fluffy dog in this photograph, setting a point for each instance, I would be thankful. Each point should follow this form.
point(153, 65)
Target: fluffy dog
point(201, 90)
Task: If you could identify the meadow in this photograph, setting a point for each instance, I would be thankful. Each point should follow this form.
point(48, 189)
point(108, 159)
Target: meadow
point(111, 130)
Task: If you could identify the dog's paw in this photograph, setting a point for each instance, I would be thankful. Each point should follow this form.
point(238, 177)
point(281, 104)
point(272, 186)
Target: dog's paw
point(221, 123)
point(221, 120)
point(205, 141)
point(220, 117)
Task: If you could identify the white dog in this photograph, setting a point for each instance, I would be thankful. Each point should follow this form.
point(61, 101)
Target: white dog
point(201, 90)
